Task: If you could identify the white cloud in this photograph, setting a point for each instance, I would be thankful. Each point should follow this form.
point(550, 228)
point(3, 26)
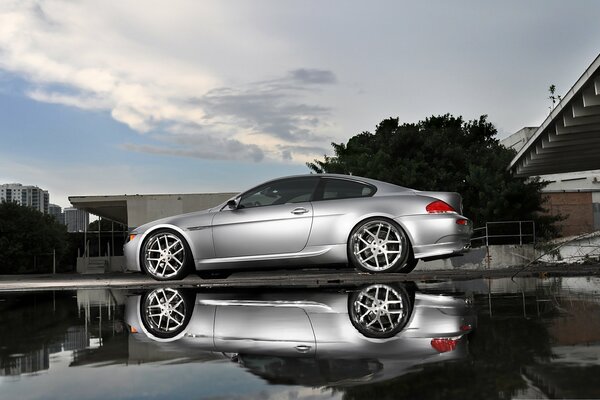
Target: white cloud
point(156, 69)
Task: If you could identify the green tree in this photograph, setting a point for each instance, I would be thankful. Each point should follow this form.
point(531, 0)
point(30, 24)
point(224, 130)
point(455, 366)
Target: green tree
point(106, 226)
point(448, 154)
point(28, 239)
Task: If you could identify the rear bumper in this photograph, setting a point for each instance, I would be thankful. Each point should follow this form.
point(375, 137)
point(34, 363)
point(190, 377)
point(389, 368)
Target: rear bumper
point(437, 235)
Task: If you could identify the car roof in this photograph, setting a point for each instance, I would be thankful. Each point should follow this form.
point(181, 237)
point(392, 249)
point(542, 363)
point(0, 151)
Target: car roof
point(382, 187)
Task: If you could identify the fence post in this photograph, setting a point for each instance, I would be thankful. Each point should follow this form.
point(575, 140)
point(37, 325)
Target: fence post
point(486, 235)
point(520, 234)
point(533, 224)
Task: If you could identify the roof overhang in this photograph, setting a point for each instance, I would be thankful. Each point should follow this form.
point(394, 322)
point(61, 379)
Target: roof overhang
point(569, 139)
point(135, 210)
point(113, 208)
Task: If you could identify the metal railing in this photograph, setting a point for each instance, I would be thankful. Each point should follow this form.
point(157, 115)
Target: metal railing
point(504, 232)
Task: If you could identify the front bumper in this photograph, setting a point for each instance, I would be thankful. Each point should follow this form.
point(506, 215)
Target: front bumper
point(131, 251)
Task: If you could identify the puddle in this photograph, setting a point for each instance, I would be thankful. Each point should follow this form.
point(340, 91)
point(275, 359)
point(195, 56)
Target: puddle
point(528, 338)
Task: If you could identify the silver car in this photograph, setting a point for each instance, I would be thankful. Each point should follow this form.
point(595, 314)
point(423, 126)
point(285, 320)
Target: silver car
point(389, 328)
point(306, 220)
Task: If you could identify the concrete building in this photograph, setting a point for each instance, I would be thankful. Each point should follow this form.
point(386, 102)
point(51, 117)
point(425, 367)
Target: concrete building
point(517, 140)
point(565, 151)
point(29, 196)
point(133, 211)
point(57, 213)
point(76, 220)
point(573, 195)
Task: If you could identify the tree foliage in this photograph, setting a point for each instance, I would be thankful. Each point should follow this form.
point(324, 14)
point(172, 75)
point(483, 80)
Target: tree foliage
point(444, 153)
point(28, 239)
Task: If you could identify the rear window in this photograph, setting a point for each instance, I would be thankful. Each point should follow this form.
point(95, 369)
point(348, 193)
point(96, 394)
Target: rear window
point(344, 189)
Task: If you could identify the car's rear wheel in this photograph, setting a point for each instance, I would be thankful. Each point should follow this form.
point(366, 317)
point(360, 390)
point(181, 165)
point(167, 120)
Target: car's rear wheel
point(380, 310)
point(378, 245)
point(166, 312)
point(411, 264)
point(166, 256)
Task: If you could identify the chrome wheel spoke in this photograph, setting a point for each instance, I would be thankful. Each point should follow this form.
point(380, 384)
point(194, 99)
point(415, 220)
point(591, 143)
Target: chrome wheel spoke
point(362, 304)
point(178, 261)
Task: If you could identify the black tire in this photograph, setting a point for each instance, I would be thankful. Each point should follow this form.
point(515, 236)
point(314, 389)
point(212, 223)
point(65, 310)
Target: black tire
point(380, 310)
point(175, 263)
point(166, 312)
point(371, 248)
point(410, 265)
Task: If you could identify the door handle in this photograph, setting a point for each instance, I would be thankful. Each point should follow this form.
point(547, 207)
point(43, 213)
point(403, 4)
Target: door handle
point(303, 348)
point(299, 210)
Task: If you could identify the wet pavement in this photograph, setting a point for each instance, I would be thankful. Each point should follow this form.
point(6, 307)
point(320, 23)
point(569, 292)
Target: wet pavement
point(528, 337)
point(313, 277)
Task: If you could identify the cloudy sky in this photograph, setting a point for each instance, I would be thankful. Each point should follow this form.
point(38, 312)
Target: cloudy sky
point(156, 96)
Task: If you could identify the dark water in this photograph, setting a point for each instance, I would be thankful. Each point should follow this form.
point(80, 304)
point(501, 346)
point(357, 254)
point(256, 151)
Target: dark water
point(532, 338)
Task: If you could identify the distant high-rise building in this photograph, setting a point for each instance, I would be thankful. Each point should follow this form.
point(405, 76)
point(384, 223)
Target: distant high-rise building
point(57, 213)
point(76, 220)
point(29, 196)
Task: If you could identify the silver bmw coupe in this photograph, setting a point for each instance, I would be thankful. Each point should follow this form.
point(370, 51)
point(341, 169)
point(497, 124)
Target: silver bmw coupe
point(306, 220)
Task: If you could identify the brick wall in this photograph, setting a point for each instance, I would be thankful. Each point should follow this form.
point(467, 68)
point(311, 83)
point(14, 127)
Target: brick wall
point(576, 207)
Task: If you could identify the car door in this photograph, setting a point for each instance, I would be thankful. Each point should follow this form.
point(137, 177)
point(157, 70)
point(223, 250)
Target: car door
point(274, 218)
point(336, 206)
point(263, 328)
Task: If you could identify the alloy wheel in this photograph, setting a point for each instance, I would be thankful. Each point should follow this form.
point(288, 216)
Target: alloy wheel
point(380, 310)
point(165, 311)
point(378, 245)
point(164, 255)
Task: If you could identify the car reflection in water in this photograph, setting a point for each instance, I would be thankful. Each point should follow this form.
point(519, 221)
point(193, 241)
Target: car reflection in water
point(343, 338)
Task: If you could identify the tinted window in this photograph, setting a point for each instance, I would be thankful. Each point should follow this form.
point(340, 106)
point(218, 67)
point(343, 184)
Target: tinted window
point(280, 192)
point(344, 189)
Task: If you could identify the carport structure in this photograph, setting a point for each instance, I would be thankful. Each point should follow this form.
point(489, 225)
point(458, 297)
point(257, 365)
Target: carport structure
point(135, 210)
point(569, 138)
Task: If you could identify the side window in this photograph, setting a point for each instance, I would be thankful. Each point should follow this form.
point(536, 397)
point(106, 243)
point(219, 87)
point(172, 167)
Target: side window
point(280, 192)
point(345, 189)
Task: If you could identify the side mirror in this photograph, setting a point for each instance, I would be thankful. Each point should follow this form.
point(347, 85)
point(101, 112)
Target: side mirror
point(233, 203)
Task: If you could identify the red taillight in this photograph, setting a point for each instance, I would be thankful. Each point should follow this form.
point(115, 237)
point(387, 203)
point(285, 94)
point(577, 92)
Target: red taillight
point(462, 221)
point(444, 345)
point(439, 206)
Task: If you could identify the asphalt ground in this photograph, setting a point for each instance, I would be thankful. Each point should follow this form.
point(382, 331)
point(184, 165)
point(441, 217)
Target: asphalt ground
point(279, 278)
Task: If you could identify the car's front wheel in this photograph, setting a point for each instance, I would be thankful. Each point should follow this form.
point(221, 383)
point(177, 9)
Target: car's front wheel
point(166, 312)
point(378, 245)
point(166, 256)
